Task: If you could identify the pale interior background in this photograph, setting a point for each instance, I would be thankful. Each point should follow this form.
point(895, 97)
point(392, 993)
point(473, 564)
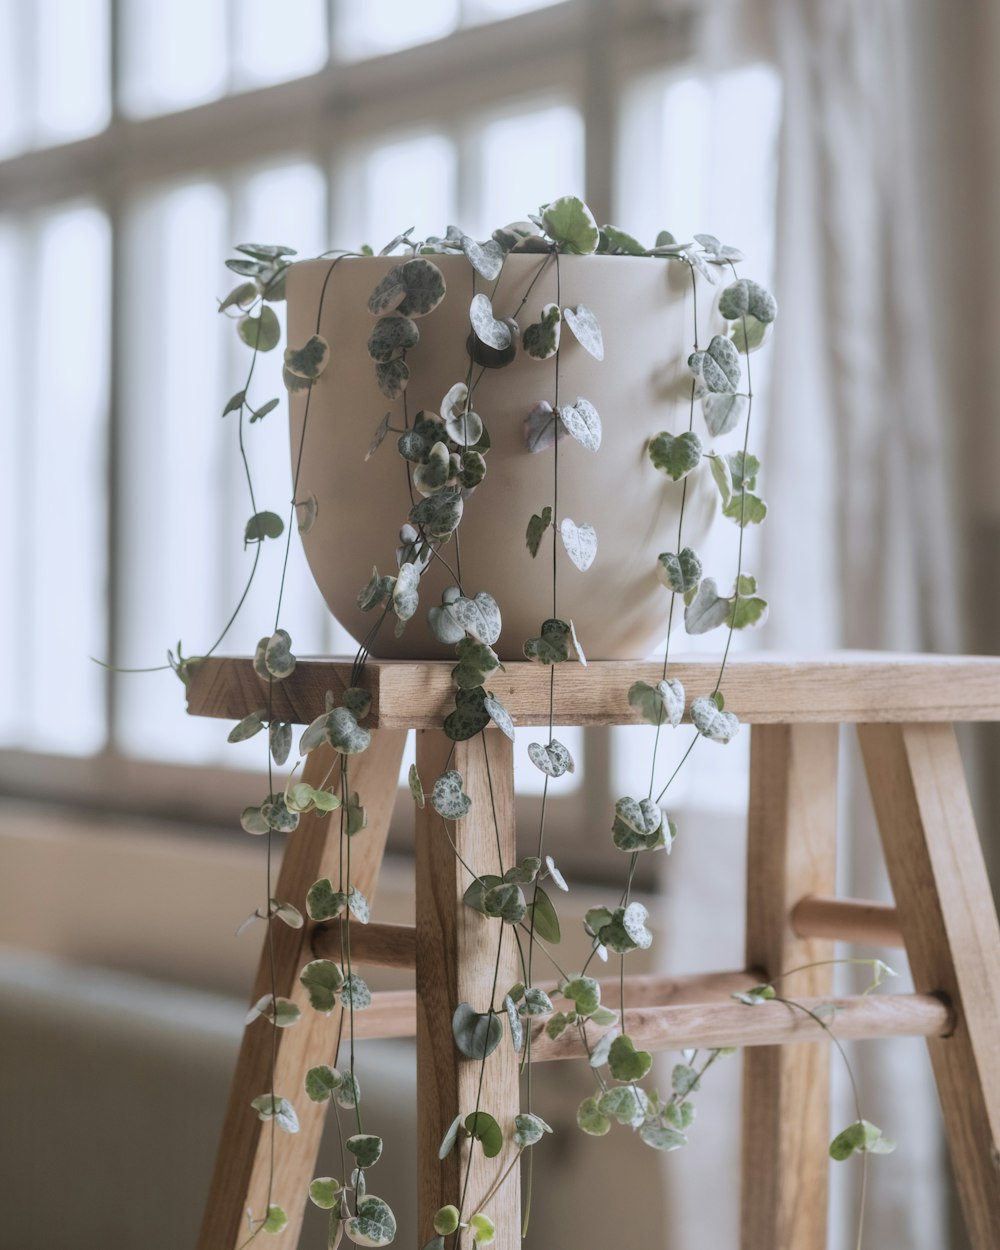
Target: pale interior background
point(850, 148)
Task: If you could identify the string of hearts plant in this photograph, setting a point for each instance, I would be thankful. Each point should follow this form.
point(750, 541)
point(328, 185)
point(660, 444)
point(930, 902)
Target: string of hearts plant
point(445, 454)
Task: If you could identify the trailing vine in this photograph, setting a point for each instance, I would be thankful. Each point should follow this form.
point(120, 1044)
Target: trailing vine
point(445, 458)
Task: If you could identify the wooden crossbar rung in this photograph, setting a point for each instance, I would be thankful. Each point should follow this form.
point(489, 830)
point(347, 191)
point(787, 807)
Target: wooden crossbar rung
point(847, 920)
point(372, 945)
point(712, 1025)
point(393, 1013)
point(844, 687)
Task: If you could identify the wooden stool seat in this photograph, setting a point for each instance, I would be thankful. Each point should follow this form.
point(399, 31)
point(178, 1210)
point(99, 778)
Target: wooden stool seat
point(943, 916)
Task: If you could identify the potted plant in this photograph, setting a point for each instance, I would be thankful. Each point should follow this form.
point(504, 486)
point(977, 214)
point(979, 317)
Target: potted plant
point(480, 432)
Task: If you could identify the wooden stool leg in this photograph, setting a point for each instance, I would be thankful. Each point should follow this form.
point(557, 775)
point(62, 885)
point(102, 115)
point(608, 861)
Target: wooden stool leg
point(456, 957)
point(791, 852)
point(949, 925)
point(243, 1163)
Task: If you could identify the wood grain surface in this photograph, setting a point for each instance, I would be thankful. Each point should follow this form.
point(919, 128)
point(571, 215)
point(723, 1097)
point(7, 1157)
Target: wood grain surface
point(243, 1167)
point(949, 923)
point(791, 852)
point(761, 689)
point(457, 955)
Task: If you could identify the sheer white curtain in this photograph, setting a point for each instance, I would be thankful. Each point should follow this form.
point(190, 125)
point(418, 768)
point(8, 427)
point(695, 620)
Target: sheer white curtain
point(862, 538)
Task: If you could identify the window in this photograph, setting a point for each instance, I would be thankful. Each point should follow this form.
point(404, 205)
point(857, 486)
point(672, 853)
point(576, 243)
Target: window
point(124, 181)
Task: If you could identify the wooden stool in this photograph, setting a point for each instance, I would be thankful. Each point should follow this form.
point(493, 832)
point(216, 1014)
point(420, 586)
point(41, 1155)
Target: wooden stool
point(944, 917)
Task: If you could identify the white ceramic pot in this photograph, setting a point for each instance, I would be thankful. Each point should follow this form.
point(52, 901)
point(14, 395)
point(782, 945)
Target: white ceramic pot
point(641, 387)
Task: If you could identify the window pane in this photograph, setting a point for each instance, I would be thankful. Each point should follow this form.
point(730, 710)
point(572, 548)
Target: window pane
point(667, 178)
point(175, 55)
point(175, 509)
point(14, 556)
point(65, 352)
point(380, 26)
point(72, 41)
point(494, 10)
point(14, 18)
point(527, 159)
point(274, 44)
point(426, 168)
point(184, 565)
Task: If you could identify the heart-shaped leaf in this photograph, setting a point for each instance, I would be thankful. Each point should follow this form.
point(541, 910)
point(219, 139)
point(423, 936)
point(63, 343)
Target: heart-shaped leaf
point(707, 610)
point(711, 723)
point(439, 515)
point(423, 288)
point(544, 919)
point(479, 616)
point(323, 902)
point(476, 1034)
point(476, 662)
point(723, 413)
point(344, 733)
point(675, 455)
point(241, 296)
point(248, 726)
point(435, 471)
point(359, 906)
point(323, 981)
point(514, 1020)
point(263, 525)
point(580, 542)
point(281, 1012)
point(570, 224)
point(582, 422)
point(506, 902)
point(469, 716)
point(586, 329)
point(542, 426)
point(355, 994)
point(366, 1148)
point(374, 1224)
point(638, 825)
point(661, 703)
point(392, 377)
point(718, 368)
point(389, 292)
point(499, 715)
point(488, 328)
point(661, 1137)
point(553, 646)
point(320, 1082)
point(627, 1063)
point(529, 1129)
point(747, 298)
point(537, 526)
point(591, 1119)
point(634, 922)
point(486, 258)
point(324, 1192)
point(392, 336)
point(271, 1107)
point(583, 992)
point(274, 656)
point(309, 360)
point(466, 429)
point(348, 1092)
point(486, 1131)
point(253, 821)
point(405, 593)
point(482, 1228)
point(448, 798)
point(679, 572)
point(557, 878)
point(277, 814)
point(626, 1103)
point(861, 1137)
point(540, 340)
point(615, 242)
point(552, 758)
point(262, 333)
point(280, 741)
point(745, 508)
point(749, 334)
